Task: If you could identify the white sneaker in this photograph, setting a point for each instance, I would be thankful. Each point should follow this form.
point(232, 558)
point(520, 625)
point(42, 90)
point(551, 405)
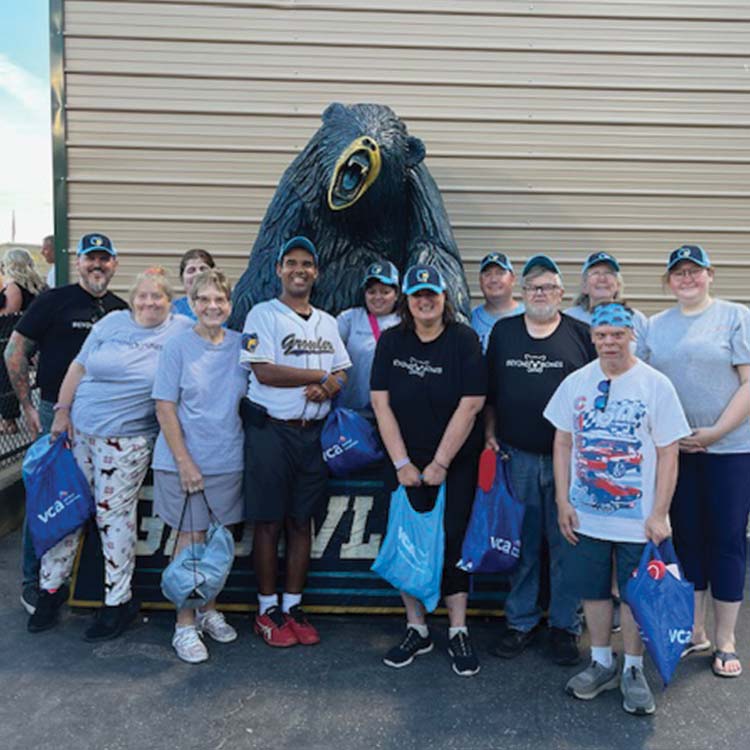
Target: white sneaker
point(213, 623)
point(188, 644)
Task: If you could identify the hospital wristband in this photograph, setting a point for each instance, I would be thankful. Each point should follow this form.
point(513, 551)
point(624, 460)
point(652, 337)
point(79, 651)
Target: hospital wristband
point(398, 465)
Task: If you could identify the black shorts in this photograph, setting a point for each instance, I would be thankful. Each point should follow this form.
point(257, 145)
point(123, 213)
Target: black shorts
point(285, 474)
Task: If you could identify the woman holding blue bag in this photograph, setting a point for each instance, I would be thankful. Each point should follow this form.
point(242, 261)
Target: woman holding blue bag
point(428, 386)
point(106, 396)
point(703, 346)
point(199, 448)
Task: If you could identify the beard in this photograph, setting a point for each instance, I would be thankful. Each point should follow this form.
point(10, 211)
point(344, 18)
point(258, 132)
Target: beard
point(541, 313)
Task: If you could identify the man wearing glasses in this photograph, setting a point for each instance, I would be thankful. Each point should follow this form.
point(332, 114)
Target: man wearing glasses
point(618, 424)
point(56, 325)
point(528, 356)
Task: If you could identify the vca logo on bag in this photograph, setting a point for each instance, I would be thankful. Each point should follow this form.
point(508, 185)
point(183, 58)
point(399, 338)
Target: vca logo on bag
point(338, 449)
point(63, 500)
point(415, 558)
point(680, 635)
point(506, 546)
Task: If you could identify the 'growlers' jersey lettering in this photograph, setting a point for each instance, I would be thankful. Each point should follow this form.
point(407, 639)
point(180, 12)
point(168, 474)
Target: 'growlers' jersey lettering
point(291, 344)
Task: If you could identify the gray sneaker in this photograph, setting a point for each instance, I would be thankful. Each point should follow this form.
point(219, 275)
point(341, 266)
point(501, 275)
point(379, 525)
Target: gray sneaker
point(593, 680)
point(637, 697)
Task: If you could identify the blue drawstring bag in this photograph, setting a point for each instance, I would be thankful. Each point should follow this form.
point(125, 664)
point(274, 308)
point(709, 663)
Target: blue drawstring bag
point(198, 572)
point(411, 556)
point(58, 497)
point(662, 605)
point(349, 442)
point(492, 543)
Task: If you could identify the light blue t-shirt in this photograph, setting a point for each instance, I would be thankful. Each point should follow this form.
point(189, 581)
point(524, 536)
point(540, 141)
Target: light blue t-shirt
point(356, 333)
point(113, 398)
point(483, 323)
point(181, 306)
point(700, 354)
point(206, 382)
point(640, 327)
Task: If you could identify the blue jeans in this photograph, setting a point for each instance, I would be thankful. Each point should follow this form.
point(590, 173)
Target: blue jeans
point(30, 563)
point(533, 484)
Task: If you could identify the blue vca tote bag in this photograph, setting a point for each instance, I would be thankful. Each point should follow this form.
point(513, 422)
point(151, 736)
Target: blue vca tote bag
point(411, 556)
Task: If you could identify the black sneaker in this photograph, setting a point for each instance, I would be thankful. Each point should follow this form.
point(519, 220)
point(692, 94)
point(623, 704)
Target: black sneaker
point(110, 622)
point(47, 610)
point(29, 597)
point(512, 643)
point(563, 647)
point(412, 644)
point(465, 662)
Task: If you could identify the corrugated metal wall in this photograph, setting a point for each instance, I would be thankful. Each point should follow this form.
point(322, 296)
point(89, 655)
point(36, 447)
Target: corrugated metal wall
point(561, 127)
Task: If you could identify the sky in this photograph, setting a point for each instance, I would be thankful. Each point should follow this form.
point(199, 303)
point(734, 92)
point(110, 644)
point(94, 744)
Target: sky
point(25, 140)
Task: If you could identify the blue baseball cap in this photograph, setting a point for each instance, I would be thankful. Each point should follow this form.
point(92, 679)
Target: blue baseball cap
point(301, 243)
point(544, 261)
point(600, 257)
point(91, 243)
point(423, 277)
point(694, 253)
point(385, 273)
point(496, 259)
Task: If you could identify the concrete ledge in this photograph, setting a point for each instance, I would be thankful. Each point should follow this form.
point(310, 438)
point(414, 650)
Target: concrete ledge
point(12, 498)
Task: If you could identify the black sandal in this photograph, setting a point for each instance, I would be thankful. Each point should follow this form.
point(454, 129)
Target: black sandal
point(724, 657)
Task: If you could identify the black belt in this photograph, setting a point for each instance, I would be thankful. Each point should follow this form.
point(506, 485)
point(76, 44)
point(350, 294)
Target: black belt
point(301, 423)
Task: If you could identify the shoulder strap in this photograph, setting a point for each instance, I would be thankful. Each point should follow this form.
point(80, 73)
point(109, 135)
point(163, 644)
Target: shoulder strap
point(374, 325)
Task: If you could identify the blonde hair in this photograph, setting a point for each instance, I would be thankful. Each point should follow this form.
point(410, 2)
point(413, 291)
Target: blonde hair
point(157, 274)
point(211, 277)
point(18, 266)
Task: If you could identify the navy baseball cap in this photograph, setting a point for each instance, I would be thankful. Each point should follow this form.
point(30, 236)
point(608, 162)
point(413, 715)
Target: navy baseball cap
point(694, 253)
point(295, 243)
point(544, 261)
point(423, 277)
point(600, 257)
point(91, 243)
point(384, 272)
point(497, 259)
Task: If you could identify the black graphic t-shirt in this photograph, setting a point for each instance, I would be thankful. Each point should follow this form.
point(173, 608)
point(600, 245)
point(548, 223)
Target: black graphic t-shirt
point(425, 382)
point(59, 322)
point(523, 373)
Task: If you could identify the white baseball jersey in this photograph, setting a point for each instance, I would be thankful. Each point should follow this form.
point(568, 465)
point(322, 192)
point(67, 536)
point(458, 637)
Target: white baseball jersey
point(274, 333)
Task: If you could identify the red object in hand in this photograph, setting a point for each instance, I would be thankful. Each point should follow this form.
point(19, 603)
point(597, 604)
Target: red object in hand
point(656, 569)
point(487, 469)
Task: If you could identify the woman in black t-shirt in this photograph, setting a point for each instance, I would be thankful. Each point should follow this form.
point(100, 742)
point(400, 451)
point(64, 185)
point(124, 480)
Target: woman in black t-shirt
point(428, 386)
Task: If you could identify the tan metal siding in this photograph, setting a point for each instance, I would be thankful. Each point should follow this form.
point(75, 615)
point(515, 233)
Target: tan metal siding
point(559, 126)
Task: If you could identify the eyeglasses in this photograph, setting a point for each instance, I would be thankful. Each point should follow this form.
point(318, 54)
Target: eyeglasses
point(601, 274)
point(544, 289)
point(688, 273)
point(99, 310)
point(600, 402)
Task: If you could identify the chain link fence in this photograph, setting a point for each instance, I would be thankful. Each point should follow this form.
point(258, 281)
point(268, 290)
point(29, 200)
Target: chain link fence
point(15, 437)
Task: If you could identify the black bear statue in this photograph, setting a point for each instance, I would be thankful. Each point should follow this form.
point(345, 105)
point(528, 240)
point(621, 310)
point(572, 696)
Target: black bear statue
point(361, 192)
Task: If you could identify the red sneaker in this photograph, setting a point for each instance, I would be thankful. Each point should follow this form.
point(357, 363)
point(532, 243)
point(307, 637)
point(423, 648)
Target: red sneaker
point(306, 634)
point(273, 627)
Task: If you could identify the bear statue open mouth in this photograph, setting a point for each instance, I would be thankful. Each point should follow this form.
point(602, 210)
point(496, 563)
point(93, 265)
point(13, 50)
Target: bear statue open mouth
point(356, 169)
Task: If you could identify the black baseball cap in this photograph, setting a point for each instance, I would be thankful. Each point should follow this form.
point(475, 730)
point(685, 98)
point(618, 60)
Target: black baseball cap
point(94, 242)
point(423, 277)
point(496, 259)
point(385, 273)
point(694, 253)
point(600, 257)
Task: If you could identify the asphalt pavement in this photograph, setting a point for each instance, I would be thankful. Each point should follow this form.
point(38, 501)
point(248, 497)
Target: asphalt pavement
point(56, 691)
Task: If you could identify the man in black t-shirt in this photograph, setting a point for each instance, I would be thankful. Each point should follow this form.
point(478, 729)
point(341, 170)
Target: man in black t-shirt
point(528, 356)
point(56, 325)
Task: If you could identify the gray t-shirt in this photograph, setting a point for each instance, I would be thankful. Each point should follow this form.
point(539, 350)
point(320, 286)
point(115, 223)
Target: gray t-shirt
point(640, 327)
point(699, 354)
point(356, 333)
point(113, 398)
point(206, 382)
point(483, 323)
